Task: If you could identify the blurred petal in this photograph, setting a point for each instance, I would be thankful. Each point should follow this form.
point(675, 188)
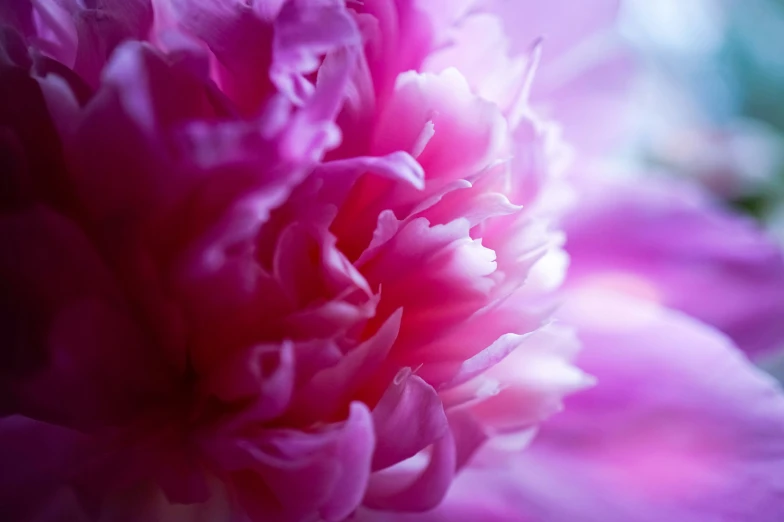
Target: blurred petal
point(679, 427)
point(563, 24)
point(60, 306)
point(584, 74)
point(666, 241)
point(31, 157)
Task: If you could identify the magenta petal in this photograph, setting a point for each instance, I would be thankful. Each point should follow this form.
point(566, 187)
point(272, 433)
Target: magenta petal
point(264, 374)
point(83, 36)
point(241, 40)
point(182, 480)
point(399, 166)
point(354, 456)
point(407, 419)
point(104, 27)
point(127, 129)
point(19, 15)
point(667, 241)
point(601, 91)
point(469, 433)
point(479, 44)
point(305, 30)
point(400, 35)
point(487, 358)
point(269, 46)
point(32, 164)
point(578, 38)
point(271, 470)
point(404, 488)
point(329, 388)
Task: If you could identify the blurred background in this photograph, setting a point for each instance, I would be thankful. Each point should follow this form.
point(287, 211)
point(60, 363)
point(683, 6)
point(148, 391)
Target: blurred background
point(710, 91)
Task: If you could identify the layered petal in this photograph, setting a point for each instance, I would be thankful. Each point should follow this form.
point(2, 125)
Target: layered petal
point(266, 47)
point(83, 36)
point(270, 469)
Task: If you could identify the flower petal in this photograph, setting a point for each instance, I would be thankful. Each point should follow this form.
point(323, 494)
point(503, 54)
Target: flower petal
point(272, 468)
point(408, 418)
point(679, 427)
point(414, 485)
point(667, 241)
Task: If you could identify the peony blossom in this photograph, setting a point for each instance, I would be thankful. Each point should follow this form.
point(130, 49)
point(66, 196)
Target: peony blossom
point(680, 425)
point(299, 260)
point(267, 261)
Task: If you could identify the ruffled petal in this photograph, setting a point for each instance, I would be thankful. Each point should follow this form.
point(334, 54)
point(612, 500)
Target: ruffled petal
point(266, 47)
point(468, 132)
point(270, 470)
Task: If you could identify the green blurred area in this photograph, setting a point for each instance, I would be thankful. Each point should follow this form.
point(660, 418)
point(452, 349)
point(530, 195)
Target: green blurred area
point(752, 62)
point(754, 55)
point(720, 67)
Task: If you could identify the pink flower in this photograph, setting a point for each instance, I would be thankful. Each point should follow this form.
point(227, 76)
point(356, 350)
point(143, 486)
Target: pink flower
point(265, 261)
